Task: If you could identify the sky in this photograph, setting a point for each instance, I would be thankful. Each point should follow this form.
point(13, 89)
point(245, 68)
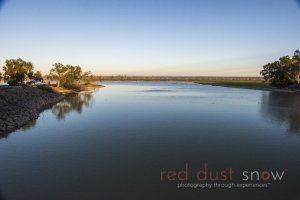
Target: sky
point(150, 37)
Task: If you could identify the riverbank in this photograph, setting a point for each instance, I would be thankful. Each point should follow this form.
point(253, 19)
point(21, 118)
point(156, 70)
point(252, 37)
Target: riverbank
point(176, 78)
point(244, 84)
point(20, 105)
point(254, 83)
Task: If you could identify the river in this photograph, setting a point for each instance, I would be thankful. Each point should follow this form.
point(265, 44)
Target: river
point(129, 140)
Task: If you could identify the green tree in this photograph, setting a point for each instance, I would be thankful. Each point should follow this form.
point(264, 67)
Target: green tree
point(65, 75)
point(16, 70)
point(276, 73)
point(37, 76)
point(57, 73)
point(87, 77)
point(296, 66)
point(284, 72)
point(72, 75)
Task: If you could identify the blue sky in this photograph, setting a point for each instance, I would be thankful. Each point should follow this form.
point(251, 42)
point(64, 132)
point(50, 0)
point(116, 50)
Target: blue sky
point(150, 37)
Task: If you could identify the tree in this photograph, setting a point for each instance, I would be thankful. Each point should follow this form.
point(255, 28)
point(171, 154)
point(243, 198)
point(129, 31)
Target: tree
point(16, 70)
point(73, 75)
point(284, 72)
point(57, 73)
point(296, 66)
point(277, 72)
point(65, 75)
point(87, 77)
point(37, 76)
point(1, 77)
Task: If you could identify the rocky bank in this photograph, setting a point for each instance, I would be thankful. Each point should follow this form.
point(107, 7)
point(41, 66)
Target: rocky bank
point(20, 105)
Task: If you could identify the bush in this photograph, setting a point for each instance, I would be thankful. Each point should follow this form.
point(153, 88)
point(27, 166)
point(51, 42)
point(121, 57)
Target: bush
point(72, 87)
point(45, 88)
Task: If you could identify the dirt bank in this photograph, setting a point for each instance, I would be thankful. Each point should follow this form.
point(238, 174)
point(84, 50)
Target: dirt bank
point(20, 105)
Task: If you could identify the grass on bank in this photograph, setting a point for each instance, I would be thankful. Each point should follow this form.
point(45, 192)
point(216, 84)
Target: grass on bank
point(69, 90)
point(76, 88)
point(45, 88)
point(237, 83)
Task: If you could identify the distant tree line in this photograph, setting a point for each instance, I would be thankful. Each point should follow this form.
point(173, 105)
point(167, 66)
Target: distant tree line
point(283, 72)
point(16, 71)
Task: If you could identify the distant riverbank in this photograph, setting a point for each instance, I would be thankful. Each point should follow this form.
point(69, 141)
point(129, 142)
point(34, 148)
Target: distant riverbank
point(175, 78)
point(255, 85)
point(20, 105)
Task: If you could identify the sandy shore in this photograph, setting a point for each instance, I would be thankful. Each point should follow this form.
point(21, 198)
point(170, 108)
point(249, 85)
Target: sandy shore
point(88, 87)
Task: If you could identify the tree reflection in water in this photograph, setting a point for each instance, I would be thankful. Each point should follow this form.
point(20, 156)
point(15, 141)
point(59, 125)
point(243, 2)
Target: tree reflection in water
point(74, 102)
point(283, 108)
point(29, 125)
point(26, 127)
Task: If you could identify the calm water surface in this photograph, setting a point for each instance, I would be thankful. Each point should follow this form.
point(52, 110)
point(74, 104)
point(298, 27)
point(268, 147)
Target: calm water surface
point(114, 143)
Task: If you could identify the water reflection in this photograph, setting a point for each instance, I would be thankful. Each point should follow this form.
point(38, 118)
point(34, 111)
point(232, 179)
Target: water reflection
point(26, 127)
point(74, 102)
point(29, 125)
point(1, 196)
point(3, 135)
point(209, 124)
point(283, 108)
